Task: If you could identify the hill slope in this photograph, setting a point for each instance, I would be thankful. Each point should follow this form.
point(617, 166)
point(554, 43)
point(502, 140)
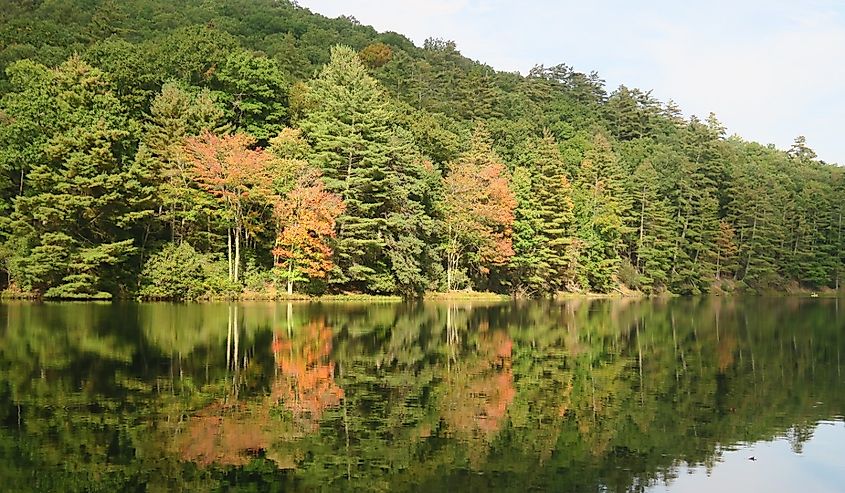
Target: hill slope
point(216, 146)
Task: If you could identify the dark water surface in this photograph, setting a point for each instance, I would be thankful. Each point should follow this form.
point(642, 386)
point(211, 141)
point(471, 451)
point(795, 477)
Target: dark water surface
point(673, 395)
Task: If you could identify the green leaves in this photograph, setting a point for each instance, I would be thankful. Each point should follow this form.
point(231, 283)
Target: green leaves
point(605, 181)
point(255, 93)
point(176, 272)
point(84, 175)
point(360, 154)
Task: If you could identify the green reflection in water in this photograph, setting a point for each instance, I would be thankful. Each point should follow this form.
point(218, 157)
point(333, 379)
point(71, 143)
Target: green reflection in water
point(572, 396)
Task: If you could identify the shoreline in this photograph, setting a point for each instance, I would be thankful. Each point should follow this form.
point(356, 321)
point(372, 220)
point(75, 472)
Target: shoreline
point(481, 296)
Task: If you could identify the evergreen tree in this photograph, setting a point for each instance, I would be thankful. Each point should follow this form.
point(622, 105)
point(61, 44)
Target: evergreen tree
point(546, 211)
point(697, 204)
point(758, 211)
point(654, 228)
point(528, 274)
point(255, 93)
point(600, 205)
point(355, 145)
point(174, 115)
point(87, 176)
point(800, 151)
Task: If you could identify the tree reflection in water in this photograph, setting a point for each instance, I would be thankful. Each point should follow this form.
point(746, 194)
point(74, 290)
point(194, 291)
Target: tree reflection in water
point(306, 385)
point(578, 395)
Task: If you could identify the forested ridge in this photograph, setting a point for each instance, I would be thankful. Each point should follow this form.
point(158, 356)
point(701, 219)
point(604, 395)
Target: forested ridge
point(207, 148)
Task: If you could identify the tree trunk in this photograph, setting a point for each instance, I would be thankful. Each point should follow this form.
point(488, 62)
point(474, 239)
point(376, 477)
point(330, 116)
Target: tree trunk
point(237, 253)
point(839, 245)
point(290, 277)
point(229, 340)
point(172, 224)
point(642, 229)
point(718, 260)
point(236, 352)
point(229, 253)
point(751, 241)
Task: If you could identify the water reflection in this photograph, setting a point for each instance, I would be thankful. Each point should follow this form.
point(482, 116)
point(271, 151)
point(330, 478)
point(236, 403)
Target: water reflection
point(574, 396)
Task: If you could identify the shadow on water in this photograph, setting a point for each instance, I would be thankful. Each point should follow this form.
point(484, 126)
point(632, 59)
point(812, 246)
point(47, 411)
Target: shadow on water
point(582, 395)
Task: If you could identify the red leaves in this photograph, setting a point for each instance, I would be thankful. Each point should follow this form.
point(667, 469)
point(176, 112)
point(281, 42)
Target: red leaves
point(480, 388)
point(306, 385)
point(227, 168)
point(241, 178)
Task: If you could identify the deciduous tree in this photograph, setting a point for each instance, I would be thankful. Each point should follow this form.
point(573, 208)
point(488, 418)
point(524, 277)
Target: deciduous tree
point(239, 177)
point(478, 210)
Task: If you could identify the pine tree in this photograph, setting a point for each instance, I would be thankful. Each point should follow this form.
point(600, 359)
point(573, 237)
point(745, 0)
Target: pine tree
point(411, 230)
point(800, 152)
point(255, 93)
point(528, 271)
point(174, 115)
point(652, 216)
point(758, 210)
point(600, 206)
point(87, 176)
point(696, 199)
point(553, 193)
point(349, 125)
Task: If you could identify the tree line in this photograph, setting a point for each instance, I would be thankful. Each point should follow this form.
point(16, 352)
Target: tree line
point(231, 145)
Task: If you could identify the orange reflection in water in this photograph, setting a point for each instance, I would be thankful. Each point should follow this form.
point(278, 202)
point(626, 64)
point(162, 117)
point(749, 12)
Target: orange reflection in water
point(481, 387)
point(306, 385)
point(227, 433)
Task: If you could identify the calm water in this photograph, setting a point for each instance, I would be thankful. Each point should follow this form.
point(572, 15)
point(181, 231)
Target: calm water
point(658, 396)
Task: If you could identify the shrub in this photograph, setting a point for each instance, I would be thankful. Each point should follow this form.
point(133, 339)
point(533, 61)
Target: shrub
point(217, 282)
point(629, 276)
point(257, 279)
point(176, 272)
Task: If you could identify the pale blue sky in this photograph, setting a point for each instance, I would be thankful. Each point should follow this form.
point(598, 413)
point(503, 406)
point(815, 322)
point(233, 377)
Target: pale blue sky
point(770, 70)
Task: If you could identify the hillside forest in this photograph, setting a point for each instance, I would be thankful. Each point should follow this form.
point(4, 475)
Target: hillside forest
point(206, 149)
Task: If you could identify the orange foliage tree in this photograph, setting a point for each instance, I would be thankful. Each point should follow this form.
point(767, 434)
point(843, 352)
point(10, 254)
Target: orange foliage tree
point(305, 216)
point(239, 177)
point(375, 55)
point(478, 210)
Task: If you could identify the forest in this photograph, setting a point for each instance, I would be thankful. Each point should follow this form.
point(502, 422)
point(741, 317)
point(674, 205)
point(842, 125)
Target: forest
point(209, 149)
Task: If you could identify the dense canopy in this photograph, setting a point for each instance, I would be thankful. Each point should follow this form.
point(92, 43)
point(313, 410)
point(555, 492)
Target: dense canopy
point(174, 150)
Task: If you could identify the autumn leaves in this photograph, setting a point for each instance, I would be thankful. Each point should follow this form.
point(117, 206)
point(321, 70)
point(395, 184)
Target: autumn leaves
point(247, 182)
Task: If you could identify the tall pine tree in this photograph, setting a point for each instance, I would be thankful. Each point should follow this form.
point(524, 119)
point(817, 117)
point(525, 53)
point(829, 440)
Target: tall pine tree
point(86, 176)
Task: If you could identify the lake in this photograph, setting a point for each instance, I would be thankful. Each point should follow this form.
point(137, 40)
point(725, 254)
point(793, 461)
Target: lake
point(677, 395)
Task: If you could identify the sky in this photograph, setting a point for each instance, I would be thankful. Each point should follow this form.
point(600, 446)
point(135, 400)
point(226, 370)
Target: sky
point(770, 69)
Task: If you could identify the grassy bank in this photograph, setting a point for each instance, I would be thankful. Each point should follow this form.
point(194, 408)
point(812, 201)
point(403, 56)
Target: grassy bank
point(272, 295)
point(466, 296)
